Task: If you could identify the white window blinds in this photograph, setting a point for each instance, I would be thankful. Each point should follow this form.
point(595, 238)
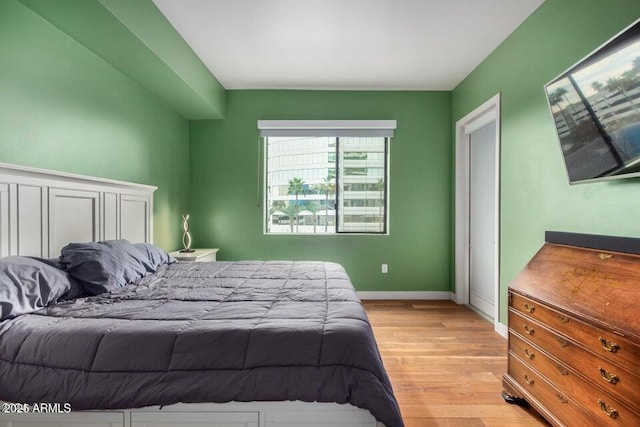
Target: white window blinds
point(299, 128)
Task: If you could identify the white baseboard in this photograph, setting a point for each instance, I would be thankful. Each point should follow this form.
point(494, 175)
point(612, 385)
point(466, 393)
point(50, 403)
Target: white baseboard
point(404, 295)
point(502, 329)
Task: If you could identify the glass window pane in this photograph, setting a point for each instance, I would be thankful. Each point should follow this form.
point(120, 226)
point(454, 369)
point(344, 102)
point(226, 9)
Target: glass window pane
point(301, 192)
point(306, 178)
point(362, 186)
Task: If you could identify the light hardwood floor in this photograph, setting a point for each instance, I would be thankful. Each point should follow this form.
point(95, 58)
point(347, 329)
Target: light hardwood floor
point(446, 364)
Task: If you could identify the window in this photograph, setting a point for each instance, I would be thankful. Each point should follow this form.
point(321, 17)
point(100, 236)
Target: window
point(325, 184)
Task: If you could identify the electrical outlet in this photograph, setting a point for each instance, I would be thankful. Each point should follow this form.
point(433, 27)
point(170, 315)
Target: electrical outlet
point(385, 268)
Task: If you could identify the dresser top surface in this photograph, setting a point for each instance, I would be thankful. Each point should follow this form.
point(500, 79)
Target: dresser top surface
point(600, 287)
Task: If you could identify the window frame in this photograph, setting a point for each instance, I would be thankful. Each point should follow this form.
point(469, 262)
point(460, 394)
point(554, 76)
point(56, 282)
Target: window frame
point(264, 187)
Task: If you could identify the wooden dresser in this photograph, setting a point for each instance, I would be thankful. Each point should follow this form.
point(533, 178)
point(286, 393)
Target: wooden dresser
point(574, 331)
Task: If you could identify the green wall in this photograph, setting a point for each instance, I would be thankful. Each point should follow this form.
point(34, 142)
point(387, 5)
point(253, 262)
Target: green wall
point(63, 108)
point(535, 193)
point(134, 37)
point(224, 185)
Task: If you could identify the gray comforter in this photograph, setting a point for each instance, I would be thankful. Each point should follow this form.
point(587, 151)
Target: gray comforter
point(203, 332)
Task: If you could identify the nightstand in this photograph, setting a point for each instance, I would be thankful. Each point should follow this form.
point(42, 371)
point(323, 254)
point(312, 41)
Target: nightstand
point(198, 255)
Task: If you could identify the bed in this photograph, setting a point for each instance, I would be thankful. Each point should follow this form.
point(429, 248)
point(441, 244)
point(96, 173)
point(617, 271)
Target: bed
point(284, 343)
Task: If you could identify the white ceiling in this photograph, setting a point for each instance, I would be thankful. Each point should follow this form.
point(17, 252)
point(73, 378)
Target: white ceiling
point(344, 44)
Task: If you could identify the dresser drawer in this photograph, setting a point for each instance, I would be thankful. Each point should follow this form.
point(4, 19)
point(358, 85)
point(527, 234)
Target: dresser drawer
point(623, 387)
point(565, 379)
point(563, 348)
point(562, 406)
point(607, 344)
point(557, 345)
point(598, 405)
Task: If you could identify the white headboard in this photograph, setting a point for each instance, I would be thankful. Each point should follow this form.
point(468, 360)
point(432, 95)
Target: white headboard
point(42, 210)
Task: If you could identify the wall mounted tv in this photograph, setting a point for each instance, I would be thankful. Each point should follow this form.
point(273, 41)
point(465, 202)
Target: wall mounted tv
point(596, 110)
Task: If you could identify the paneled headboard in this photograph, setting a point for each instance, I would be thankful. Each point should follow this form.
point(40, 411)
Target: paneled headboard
point(42, 210)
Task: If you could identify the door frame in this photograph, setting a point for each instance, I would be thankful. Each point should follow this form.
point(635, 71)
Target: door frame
point(479, 117)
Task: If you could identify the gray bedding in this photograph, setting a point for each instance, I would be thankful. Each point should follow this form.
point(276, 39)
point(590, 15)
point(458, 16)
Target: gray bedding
point(202, 332)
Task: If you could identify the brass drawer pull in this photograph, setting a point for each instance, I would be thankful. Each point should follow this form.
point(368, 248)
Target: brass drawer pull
point(529, 308)
point(529, 354)
point(608, 409)
point(608, 345)
point(563, 319)
point(528, 330)
point(608, 376)
point(528, 380)
point(563, 342)
point(561, 398)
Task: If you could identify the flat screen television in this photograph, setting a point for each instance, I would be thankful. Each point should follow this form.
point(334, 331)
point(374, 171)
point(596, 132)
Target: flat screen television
point(596, 110)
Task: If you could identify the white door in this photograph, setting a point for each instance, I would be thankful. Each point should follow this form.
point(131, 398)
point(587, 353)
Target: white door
point(482, 214)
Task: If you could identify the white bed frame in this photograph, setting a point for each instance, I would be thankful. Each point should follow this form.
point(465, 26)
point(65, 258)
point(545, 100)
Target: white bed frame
point(40, 212)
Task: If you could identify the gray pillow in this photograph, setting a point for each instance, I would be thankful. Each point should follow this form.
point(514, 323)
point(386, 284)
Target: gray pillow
point(104, 266)
point(157, 256)
point(29, 284)
point(76, 290)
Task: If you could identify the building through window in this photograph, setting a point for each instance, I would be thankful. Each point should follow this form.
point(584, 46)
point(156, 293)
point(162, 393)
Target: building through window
point(325, 184)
